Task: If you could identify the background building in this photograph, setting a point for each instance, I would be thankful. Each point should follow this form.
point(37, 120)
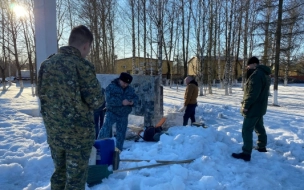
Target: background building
point(194, 67)
point(146, 66)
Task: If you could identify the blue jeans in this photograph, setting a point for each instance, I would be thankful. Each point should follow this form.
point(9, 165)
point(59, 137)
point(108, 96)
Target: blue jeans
point(189, 113)
point(98, 119)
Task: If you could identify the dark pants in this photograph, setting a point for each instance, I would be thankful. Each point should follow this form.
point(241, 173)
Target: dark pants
point(256, 124)
point(189, 113)
point(70, 168)
point(121, 128)
point(98, 119)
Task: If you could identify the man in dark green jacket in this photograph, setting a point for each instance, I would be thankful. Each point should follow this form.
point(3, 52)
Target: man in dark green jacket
point(69, 92)
point(254, 106)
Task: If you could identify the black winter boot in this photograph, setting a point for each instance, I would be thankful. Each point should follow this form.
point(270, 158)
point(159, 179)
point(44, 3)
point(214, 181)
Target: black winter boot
point(242, 155)
point(260, 149)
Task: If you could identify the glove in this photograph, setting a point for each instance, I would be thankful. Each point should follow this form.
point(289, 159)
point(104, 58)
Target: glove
point(182, 109)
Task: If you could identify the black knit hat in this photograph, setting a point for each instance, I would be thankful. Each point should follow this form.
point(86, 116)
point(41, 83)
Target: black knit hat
point(127, 78)
point(253, 60)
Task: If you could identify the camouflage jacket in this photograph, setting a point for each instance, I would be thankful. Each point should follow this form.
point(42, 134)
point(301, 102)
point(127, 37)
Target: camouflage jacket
point(69, 91)
point(115, 94)
point(256, 91)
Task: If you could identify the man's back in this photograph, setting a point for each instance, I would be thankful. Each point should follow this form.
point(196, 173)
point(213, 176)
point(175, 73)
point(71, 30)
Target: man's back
point(68, 91)
point(191, 93)
point(256, 92)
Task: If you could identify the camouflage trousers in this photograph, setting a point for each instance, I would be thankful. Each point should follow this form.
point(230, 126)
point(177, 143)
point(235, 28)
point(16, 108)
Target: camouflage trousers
point(70, 168)
point(121, 128)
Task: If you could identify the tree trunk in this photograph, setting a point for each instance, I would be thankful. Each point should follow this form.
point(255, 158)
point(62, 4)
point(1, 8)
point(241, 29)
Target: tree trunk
point(145, 37)
point(3, 62)
point(29, 54)
point(228, 46)
point(277, 55)
point(245, 43)
point(133, 36)
point(267, 46)
point(183, 40)
point(15, 53)
point(210, 60)
point(160, 37)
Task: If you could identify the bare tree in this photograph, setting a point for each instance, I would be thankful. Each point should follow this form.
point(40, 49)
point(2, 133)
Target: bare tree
point(245, 36)
point(159, 41)
point(214, 41)
point(28, 33)
point(291, 35)
point(199, 20)
point(267, 36)
point(99, 17)
point(3, 58)
point(209, 48)
point(138, 34)
point(145, 34)
point(228, 46)
point(61, 11)
point(111, 21)
point(185, 33)
point(90, 16)
point(132, 3)
point(14, 28)
point(277, 55)
point(219, 57)
point(239, 29)
point(169, 17)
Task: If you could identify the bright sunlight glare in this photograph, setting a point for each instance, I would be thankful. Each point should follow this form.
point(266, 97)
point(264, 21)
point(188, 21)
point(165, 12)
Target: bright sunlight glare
point(18, 10)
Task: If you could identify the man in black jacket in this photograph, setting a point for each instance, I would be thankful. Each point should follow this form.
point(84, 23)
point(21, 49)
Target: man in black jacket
point(254, 106)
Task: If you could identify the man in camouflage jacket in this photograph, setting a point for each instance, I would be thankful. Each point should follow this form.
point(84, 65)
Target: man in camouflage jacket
point(120, 98)
point(69, 91)
point(254, 106)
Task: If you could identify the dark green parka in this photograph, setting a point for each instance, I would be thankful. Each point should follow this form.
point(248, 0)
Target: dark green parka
point(256, 91)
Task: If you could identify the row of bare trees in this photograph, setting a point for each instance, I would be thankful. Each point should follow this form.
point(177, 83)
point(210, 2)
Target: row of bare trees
point(100, 17)
point(230, 30)
point(17, 40)
point(211, 30)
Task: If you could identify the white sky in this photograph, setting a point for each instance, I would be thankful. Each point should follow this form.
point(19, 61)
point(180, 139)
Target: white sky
point(25, 161)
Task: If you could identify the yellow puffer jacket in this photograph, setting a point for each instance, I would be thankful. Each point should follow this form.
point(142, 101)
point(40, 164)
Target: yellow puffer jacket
point(191, 93)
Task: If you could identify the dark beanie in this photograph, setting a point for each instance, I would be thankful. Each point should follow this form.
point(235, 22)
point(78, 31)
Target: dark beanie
point(253, 60)
point(127, 78)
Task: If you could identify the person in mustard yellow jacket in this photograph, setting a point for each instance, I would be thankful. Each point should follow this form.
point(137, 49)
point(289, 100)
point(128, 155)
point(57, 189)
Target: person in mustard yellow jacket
point(190, 100)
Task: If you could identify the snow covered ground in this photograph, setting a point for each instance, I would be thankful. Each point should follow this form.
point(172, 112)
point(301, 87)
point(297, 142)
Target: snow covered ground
point(25, 161)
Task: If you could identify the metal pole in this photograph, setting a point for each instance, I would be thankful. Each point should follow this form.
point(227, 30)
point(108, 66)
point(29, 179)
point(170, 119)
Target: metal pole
point(45, 30)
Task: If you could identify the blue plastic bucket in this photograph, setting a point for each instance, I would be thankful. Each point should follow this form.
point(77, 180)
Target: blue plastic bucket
point(104, 151)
